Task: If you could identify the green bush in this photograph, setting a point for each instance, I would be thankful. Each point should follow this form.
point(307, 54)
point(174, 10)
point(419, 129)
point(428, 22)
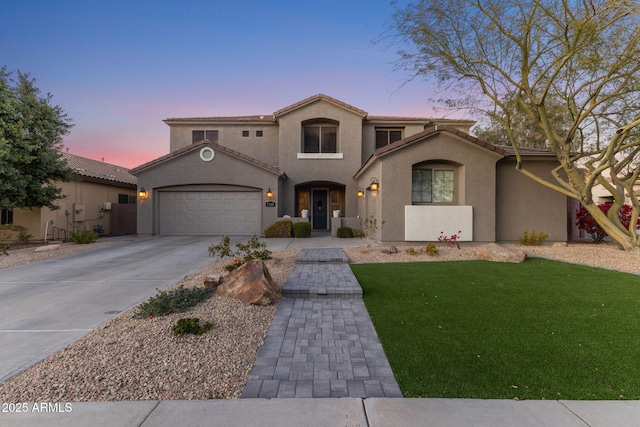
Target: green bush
point(410, 251)
point(282, 228)
point(533, 238)
point(302, 229)
point(245, 252)
point(190, 325)
point(24, 237)
point(344, 232)
point(83, 237)
point(174, 301)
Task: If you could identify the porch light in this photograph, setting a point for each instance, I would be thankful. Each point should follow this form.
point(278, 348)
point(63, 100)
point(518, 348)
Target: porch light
point(360, 192)
point(375, 185)
point(143, 193)
point(269, 193)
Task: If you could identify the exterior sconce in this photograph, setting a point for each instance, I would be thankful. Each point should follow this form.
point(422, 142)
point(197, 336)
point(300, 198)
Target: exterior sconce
point(360, 192)
point(143, 193)
point(375, 185)
point(269, 194)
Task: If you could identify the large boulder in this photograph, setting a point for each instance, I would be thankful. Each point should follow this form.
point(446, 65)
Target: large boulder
point(498, 253)
point(251, 284)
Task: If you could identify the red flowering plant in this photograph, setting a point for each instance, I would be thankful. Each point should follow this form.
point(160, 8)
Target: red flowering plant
point(450, 240)
point(584, 220)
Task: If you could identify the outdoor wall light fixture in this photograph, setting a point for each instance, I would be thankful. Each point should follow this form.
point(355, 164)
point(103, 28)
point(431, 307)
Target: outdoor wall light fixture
point(143, 193)
point(360, 192)
point(375, 185)
point(269, 193)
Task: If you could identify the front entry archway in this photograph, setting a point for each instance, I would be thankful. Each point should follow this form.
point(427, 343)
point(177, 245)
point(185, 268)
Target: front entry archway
point(320, 198)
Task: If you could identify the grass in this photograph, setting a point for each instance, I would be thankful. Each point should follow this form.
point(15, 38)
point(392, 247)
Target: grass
point(538, 330)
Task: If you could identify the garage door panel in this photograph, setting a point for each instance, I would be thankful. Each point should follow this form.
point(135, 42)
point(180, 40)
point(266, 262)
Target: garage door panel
point(210, 213)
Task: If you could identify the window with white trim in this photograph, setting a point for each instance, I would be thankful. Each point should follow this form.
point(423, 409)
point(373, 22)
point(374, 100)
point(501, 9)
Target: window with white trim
point(432, 185)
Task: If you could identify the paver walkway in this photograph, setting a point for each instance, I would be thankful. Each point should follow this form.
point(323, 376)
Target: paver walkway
point(321, 342)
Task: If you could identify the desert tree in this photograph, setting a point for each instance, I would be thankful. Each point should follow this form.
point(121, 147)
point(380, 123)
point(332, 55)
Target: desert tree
point(31, 131)
point(568, 70)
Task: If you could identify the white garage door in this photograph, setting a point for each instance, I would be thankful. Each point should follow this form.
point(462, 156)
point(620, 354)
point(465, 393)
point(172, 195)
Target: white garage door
point(210, 213)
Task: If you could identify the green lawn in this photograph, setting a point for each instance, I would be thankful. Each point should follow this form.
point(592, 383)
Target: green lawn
point(476, 329)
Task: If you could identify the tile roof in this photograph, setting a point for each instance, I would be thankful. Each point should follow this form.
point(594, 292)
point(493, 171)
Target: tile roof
point(436, 129)
point(316, 98)
point(238, 119)
point(198, 145)
point(99, 170)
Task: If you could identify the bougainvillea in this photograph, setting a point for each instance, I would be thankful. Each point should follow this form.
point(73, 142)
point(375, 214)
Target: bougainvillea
point(585, 221)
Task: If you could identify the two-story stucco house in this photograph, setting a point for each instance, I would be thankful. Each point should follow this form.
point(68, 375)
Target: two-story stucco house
point(334, 164)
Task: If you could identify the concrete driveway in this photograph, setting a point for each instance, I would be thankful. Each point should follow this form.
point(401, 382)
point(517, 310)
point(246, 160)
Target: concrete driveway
point(47, 305)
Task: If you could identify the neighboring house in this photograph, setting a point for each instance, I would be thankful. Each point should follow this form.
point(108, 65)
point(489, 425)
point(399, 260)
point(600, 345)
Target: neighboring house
point(102, 197)
point(238, 175)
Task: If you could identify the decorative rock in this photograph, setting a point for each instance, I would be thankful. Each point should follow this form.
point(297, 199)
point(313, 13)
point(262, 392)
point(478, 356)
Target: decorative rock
point(560, 245)
point(47, 248)
point(212, 281)
point(393, 250)
point(495, 252)
point(251, 284)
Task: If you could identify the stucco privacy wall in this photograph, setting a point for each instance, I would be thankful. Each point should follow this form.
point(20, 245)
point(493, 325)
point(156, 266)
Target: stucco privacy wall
point(475, 181)
point(90, 195)
point(225, 172)
point(331, 170)
point(525, 205)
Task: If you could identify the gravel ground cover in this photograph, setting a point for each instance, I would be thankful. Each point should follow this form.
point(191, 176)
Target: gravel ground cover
point(140, 359)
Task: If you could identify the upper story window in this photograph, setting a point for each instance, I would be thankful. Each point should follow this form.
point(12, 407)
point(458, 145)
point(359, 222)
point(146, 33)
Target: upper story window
point(259, 133)
point(199, 135)
point(245, 133)
point(320, 138)
point(386, 136)
point(433, 184)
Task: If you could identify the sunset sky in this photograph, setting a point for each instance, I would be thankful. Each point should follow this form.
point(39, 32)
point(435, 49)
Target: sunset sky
point(118, 68)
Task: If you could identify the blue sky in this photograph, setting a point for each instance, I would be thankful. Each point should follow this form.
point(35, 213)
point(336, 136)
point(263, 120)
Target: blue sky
point(119, 68)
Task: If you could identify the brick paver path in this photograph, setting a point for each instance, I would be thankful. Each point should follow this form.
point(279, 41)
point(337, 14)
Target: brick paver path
point(322, 344)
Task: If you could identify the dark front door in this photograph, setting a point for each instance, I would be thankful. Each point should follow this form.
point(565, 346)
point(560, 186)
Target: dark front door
point(320, 213)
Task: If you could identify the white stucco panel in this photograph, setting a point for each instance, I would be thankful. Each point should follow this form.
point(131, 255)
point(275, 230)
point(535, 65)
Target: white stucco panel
point(425, 223)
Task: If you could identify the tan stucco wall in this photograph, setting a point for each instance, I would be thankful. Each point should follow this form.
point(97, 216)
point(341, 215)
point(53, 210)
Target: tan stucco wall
point(524, 205)
point(475, 182)
point(333, 170)
point(263, 148)
point(89, 194)
point(224, 173)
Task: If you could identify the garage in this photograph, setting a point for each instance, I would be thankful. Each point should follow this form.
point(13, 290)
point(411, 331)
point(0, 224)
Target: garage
point(210, 212)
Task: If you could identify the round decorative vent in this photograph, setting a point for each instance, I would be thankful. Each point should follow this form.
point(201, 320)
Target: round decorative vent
point(207, 154)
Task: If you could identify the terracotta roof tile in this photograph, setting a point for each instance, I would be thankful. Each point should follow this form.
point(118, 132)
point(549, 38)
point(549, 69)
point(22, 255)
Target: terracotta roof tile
point(315, 98)
point(99, 170)
point(432, 130)
point(239, 119)
point(198, 145)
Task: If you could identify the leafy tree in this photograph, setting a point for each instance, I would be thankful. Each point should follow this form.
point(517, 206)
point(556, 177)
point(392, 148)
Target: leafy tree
point(518, 60)
point(31, 131)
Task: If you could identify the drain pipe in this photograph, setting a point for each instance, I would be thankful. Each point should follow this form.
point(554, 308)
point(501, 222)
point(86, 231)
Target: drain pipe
point(46, 230)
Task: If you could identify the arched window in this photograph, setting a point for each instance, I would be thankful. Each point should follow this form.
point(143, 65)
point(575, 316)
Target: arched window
point(433, 182)
point(320, 136)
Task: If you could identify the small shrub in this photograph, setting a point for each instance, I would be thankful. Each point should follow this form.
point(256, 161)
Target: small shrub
point(533, 238)
point(431, 250)
point(24, 237)
point(302, 229)
point(83, 237)
point(450, 240)
point(410, 251)
point(586, 222)
point(358, 233)
point(282, 228)
point(245, 252)
point(174, 301)
point(190, 325)
point(344, 232)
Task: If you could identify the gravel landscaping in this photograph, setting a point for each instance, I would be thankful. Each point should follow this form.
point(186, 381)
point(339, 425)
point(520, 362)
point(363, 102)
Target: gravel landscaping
point(140, 359)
